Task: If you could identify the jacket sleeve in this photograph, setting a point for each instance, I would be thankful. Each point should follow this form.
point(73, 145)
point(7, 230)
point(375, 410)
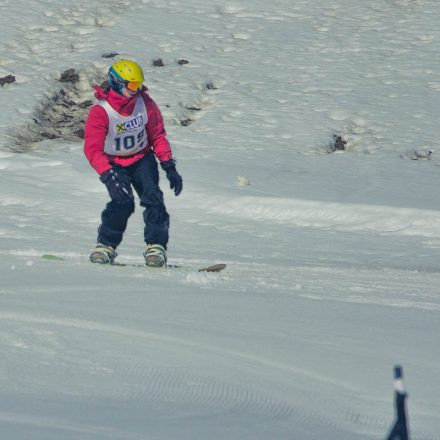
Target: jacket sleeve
point(95, 132)
point(156, 132)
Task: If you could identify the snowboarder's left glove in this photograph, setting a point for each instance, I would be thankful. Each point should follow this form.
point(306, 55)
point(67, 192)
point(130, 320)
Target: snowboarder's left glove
point(118, 185)
point(176, 182)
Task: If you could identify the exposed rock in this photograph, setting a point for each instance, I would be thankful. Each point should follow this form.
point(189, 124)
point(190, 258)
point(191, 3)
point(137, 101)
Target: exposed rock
point(70, 76)
point(210, 85)
point(60, 115)
point(109, 54)
point(46, 135)
point(338, 144)
point(79, 133)
point(419, 155)
point(158, 62)
point(8, 79)
point(85, 104)
point(186, 122)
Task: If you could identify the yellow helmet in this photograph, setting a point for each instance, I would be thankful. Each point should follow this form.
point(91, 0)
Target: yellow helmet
point(125, 73)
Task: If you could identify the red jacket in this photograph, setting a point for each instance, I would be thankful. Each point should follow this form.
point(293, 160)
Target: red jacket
point(96, 128)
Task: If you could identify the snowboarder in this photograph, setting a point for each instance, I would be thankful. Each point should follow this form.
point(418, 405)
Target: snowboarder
point(124, 138)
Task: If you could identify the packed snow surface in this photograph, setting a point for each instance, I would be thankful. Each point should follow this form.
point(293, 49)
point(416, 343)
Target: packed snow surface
point(333, 258)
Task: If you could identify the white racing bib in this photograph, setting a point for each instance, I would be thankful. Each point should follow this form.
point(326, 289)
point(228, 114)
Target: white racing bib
point(126, 134)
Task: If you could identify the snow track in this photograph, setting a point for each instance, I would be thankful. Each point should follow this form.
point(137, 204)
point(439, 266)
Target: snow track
point(160, 379)
point(334, 216)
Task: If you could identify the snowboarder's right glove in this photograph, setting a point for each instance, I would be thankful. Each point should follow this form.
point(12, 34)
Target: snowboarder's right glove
point(176, 182)
point(118, 185)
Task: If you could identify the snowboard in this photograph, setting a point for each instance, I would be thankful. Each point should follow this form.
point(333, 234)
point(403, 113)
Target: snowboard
point(212, 268)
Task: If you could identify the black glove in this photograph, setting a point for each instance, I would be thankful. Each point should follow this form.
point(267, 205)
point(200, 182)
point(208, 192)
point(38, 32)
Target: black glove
point(118, 185)
point(176, 182)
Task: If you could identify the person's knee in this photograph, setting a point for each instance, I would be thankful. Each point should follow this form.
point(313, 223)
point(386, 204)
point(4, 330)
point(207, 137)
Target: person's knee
point(129, 207)
point(126, 208)
point(155, 211)
point(152, 197)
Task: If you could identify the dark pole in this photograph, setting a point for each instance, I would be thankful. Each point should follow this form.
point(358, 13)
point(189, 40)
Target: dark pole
point(399, 430)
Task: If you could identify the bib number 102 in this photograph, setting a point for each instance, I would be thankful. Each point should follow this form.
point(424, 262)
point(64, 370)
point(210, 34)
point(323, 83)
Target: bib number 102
point(128, 142)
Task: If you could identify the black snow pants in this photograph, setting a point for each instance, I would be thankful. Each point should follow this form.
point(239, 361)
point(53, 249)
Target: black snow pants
point(144, 176)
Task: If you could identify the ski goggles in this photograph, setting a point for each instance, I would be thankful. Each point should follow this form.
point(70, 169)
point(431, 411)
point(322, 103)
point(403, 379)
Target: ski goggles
point(134, 86)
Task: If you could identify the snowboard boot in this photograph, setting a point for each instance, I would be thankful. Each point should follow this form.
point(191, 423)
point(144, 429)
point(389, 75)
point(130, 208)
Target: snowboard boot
point(155, 255)
point(103, 254)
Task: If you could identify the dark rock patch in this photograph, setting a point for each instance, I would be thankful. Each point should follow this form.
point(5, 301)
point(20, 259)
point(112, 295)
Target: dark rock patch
point(85, 104)
point(79, 133)
point(62, 114)
point(70, 75)
point(46, 135)
point(209, 85)
point(158, 62)
point(338, 143)
point(109, 55)
point(185, 122)
point(8, 79)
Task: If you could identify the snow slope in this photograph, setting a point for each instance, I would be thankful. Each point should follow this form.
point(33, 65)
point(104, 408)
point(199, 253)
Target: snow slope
point(333, 258)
